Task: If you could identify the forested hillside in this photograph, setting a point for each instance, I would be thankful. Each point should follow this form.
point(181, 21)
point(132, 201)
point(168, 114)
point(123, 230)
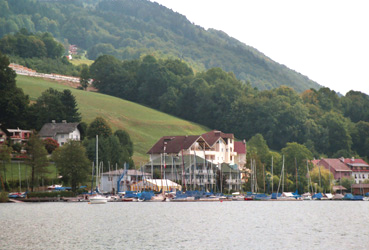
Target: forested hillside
point(324, 122)
point(129, 29)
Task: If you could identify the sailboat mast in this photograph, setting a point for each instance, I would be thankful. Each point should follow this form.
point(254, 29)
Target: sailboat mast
point(296, 174)
point(272, 175)
point(283, 175)
point(97, 158)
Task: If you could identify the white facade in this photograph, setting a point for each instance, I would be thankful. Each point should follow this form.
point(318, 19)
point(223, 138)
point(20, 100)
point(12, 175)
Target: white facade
point(63, 138)
point(222, 152)
point(360, 177)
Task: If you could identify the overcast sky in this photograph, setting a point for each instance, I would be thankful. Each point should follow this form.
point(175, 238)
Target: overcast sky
point(328, 41)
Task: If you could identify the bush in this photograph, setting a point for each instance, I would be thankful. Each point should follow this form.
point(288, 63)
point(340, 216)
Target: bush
point(51, 194)
point(17, 147)
point(50, 145)
point(4, 197)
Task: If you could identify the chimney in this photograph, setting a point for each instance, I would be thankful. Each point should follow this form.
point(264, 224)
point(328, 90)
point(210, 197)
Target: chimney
point(64, 121)
point(53, 121)
point(352, 159)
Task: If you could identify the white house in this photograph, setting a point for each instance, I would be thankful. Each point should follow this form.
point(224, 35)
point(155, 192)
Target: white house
point(198, 157)
point(109, 180)
point(61, 132)
point(215, 146)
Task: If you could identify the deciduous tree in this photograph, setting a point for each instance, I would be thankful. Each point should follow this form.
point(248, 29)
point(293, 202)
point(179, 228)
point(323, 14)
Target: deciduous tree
point(37, 158)
point(72, 163)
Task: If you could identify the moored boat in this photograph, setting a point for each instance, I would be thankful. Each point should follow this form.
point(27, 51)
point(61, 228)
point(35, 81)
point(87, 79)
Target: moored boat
point(98, 199)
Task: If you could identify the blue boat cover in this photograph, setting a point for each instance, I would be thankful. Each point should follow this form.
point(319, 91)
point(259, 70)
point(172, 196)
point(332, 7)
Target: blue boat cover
point(276, 195)
point(348, 197)
point(358, 198)
point(317, 196)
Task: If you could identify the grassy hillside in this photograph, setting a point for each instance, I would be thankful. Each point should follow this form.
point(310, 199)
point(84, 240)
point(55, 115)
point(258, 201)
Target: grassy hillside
point(144, 125)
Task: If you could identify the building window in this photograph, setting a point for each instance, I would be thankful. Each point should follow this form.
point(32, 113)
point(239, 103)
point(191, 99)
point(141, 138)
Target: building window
point(61, 136)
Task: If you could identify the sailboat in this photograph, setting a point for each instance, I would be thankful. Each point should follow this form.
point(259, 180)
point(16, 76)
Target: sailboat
point(286, 196)
point(98, 198)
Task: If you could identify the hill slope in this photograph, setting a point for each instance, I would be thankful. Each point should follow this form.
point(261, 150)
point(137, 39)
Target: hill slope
point(128, 29)
point(144, 125)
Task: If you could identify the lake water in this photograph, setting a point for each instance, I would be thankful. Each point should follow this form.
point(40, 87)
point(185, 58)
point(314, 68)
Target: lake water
point(191, 225)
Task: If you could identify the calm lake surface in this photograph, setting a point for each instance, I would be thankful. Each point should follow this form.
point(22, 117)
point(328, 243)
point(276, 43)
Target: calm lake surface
point(191, 225)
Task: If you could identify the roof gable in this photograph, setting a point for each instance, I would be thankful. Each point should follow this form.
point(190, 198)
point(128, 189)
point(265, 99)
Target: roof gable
point(174, 144)
point(336, 164)
point(51, 129)
point(239, 147)
point(355, 162)
point(213, 136)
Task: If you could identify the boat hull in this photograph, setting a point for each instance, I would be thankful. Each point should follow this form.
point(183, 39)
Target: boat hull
point(98, 200)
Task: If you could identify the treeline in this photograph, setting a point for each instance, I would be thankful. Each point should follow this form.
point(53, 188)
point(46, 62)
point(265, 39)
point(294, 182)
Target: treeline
point(130, 29)
point(27, 45)
point(40, 52)
point(319, 119)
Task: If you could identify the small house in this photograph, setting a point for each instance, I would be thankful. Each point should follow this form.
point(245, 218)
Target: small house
point(61, 132)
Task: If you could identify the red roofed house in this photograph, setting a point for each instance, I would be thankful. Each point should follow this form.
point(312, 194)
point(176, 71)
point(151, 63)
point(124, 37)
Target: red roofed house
point(178, 145)
point(215, 146)
point(201, 152)
point(359, 168)
point(221, 147)
point(337, 167)
point(240, 149)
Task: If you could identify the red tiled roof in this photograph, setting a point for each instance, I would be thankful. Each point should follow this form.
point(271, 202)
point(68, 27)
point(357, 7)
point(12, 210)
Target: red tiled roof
point(336, 164)
point(353, 161)
point(214, 135)
point(239, 147)
point(174, 144)
point(315, 162)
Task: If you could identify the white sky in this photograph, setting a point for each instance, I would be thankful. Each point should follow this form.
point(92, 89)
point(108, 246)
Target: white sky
point(326, 40)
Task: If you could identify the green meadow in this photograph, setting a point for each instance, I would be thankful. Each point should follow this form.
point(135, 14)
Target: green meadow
point(145, 125)
point(77, 62)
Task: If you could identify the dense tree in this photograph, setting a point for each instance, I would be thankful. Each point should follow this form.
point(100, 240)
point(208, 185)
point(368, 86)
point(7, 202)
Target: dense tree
point(296, 156)
point(346, 183)
point(84, 77)
point(111, 151)
point(124, 140)
point(355, 105)
point(337, 131)
point(37, 158)
point(70, 106)
point(258, 146)
point(5, 157)
point(322, 179)
point(72, 163)
point(25, 44)
point(98, 127)
point(54, 105)
point(13, 102)
point(360, 138)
